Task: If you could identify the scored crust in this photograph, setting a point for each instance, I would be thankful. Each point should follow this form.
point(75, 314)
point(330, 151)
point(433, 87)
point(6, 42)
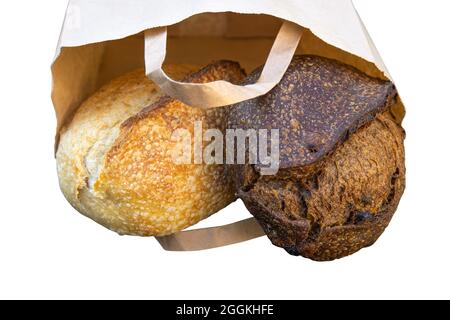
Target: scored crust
point(114, 160)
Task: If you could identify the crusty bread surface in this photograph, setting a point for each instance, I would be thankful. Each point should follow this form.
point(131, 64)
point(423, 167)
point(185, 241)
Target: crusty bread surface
point(114, 158)
point(342, 160)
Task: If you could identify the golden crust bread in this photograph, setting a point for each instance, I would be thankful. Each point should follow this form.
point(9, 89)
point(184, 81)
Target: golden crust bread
point(114, 159)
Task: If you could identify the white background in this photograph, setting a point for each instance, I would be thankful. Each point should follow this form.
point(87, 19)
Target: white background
point(47, 250)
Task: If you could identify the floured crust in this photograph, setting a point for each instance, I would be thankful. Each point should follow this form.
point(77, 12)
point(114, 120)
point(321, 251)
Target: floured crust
point(114, 159)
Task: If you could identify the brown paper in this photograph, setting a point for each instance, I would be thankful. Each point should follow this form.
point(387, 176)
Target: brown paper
point(208, 238)
point(103, 39)
point(221, 93)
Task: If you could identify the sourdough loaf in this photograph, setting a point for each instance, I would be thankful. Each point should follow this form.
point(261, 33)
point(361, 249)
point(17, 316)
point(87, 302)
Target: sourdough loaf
point(114, 158)
point(342, 166)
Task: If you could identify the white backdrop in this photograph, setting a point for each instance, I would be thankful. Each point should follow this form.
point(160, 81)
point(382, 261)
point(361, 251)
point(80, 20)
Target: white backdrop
point(47, 250)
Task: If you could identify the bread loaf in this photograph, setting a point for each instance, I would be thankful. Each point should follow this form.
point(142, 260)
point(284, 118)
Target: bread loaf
point(342, 166)
point(114, 158)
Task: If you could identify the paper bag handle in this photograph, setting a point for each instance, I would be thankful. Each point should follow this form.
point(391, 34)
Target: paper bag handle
point(209, 238)
point(221, 93)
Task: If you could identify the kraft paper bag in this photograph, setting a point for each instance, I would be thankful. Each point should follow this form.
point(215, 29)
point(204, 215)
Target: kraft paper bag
point(102, 39)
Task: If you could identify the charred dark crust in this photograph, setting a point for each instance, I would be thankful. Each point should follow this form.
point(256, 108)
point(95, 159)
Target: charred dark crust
point(304, 237)
point(340, 241)
point(281, 203)
point(318, 104)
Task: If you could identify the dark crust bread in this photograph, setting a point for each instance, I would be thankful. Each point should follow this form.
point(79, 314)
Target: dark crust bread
point(332, 202)
point(341, 208)
point(316, 106)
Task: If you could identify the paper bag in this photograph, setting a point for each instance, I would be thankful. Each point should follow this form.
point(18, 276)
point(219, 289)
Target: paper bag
point(102, 39)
